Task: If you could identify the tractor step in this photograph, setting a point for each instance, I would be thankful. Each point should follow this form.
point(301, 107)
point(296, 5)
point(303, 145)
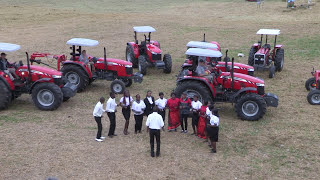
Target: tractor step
point(159, 64)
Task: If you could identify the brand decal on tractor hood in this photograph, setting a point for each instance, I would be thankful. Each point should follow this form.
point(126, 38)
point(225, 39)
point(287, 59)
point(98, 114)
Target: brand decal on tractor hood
point(243, 77)
point(154, 49)
point(40, 70)
point(115, 62)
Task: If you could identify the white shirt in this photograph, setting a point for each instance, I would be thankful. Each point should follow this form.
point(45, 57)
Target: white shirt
point(214, 120)
point(196, 105)
point(138, 108)
point(155, 121)
point(111, 105)
point(98, 110)
point(150, 100)
point(208, 112)
point(127, 101)
point(161, 103)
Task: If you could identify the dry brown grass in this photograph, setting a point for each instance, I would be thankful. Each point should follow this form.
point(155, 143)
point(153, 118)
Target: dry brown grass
point(282, 145)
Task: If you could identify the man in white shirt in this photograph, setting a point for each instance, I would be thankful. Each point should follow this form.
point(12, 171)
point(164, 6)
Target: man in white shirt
point(161, 104)
point(195, 105)
point(111, 111)
point(138, 108)
point(97, 114)
point(154, 124)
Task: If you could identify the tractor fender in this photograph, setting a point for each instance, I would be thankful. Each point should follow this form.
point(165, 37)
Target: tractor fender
point(278, 46)
point(255, 45)
point(241, 91)
point(135, 49)
point(210, 87)
point(39, 81)
point(84, 69)
point(5, 82)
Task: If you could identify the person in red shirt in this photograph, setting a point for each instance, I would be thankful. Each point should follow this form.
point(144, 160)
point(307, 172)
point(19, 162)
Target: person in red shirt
point(174, 118)
point(185, 106)
point(202, 120)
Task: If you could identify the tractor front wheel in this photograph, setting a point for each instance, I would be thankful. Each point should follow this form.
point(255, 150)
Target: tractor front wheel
point(251, 56)
point(127, 82)
point(5, 96)
point(117, 86)
point(143, 64)
point(76, 75)
point(130, 56)
point(279, 59)
point(192, 88)
point(167, 63)
point(47, 96)
point(309, 84)
point(314, 97)
point(251, 107)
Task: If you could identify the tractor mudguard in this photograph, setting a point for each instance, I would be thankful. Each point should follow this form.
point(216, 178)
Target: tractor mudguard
point(6, 83)
point(137, 77)
point(78, 64)
point(210, 87)
point(241, 91)
point(69, 90)
point(256, 45)
point(278, 46)
point(135, 49)
point(39, 81)
point(271, 99)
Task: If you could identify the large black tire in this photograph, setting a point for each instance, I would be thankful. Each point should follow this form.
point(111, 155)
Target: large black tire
point(254, 101)
point(251, 56)
point(272, 71)
point(279, 59)
point(130, 56)
point(47, 96)
point(76, 75)
point(5, 95)
point(117, 86)
point(167, 63)
point(127, 82)
point(314, 97)
point(192, 87)
point(143, 64)
point(309, 83)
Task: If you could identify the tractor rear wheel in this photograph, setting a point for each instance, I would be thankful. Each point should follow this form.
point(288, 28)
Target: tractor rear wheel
point(251, 107)
point(143, 64)
point(47, 96)
point(314, 97)
point(117, 86)
point(167, 63)
point(5, 96)
point(192, 88)
point(76, 75)
point(279, 59)
point(309, 84)
point(251, 56)
point(127, 82)
point(130, 56)
point(272, 71)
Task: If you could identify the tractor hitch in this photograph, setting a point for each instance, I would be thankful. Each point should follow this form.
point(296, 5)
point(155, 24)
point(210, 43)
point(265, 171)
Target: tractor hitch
point(271, 99)
point(69, 90)
point(137, 77)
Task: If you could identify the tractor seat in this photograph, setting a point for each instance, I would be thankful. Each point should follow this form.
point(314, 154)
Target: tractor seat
point(267, 46)
point(143, 46)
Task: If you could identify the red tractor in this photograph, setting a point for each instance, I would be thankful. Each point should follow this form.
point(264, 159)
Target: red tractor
point(46, 86)
point(118, 71)
point(313, 85)
point(263, 57)
point(147, 53)
point(215, 62)
point(245, 91)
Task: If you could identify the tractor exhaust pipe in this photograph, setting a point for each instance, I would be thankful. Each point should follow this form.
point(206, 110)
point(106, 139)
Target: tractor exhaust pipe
point(232, 76)
point(105, 59)
point(29, 69)
point(226, 61)
point(204, 37)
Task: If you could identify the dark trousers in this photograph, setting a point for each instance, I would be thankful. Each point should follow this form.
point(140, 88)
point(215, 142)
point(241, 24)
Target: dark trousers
point(112, 118)
point(138, 125)
point(163, 114)
point(155, 133)
point(195, 119)
point(184, 117)
point(98, 120)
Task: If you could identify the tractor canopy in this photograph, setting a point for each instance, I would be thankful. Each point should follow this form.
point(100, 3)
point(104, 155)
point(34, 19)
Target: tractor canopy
point(274, 32)
point(82, 42)
point(143, 29)
point(203, 45)
point(203, 52)
point(7, 47)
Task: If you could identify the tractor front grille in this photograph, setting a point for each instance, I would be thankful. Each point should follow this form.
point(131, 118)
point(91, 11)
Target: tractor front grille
point(260, 90)
point(58, 81)
point(259, 59)
point(156, 57)
point(129, 70)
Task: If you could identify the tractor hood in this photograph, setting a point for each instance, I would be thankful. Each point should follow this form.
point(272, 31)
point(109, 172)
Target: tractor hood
point(154, 49)
point(236, 65)
point(40, 70)
point(111, 61)
point(262, 51)
point(244, 77)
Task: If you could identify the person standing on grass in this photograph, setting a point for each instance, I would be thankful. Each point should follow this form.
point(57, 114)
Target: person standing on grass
point(154, 124)
point(213, 129)
point(161, 105)
point(207, 119)
point(202, 120)
point(111, 111)
point(149, 102)
point(184, 105)
point(126, 102)
point(138, 108)
point(174, 116)
point(195, 105)
point(97, 114)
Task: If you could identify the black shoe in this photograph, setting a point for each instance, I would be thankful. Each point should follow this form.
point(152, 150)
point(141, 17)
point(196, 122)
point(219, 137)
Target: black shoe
point(152, 154)
point(111, 136)
point(115, 135)
point(158, 154)
point(213, 151)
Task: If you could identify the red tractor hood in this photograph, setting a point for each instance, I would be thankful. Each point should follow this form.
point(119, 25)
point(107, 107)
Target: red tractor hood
point(154, 48)
point(262, 51)
point(40, 70)
point(116, 61)
point(245, 77)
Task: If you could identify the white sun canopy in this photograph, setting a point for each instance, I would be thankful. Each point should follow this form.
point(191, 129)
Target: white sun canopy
point(82, 42)
point(203, 52)
point(199, 44)
point(143, 29)
point(7, 47)
point(269, 31)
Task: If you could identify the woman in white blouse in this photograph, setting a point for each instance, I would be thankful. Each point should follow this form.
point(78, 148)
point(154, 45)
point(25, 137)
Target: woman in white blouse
point(138, 108)
point(126, 102)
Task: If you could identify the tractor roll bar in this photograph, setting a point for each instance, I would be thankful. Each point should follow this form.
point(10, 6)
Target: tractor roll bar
point(105, 59)
point(232, 76)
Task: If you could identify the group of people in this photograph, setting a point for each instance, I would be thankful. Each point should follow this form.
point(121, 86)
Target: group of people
point(205, 119)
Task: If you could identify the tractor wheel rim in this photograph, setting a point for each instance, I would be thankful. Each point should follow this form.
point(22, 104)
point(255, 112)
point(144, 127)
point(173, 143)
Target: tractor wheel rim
point(117, 88)
point(129, 57)
point(45, 97)
point(315, 98)
point(250, 108)
point(190, 93)
point(73, 78)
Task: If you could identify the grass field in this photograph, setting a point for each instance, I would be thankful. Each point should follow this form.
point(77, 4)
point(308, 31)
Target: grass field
point(282, 145)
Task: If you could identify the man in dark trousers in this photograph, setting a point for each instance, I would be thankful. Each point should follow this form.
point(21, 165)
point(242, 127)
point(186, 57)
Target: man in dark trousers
point(149, 102)
point(154, 124)
point(97, 114)
point(111, 110)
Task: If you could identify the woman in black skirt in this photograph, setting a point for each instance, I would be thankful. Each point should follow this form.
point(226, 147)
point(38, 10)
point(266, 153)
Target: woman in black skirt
point(125, 103)
point(213, 129)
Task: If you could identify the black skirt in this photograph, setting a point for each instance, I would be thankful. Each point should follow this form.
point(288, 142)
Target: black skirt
point(213, 133)
point(126, 113)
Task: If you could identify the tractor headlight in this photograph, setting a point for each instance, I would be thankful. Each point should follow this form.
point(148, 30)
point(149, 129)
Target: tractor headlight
point(260, 84)
point(128, 66)
point(56, 76)
point(153, 52)
point(250, 69)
